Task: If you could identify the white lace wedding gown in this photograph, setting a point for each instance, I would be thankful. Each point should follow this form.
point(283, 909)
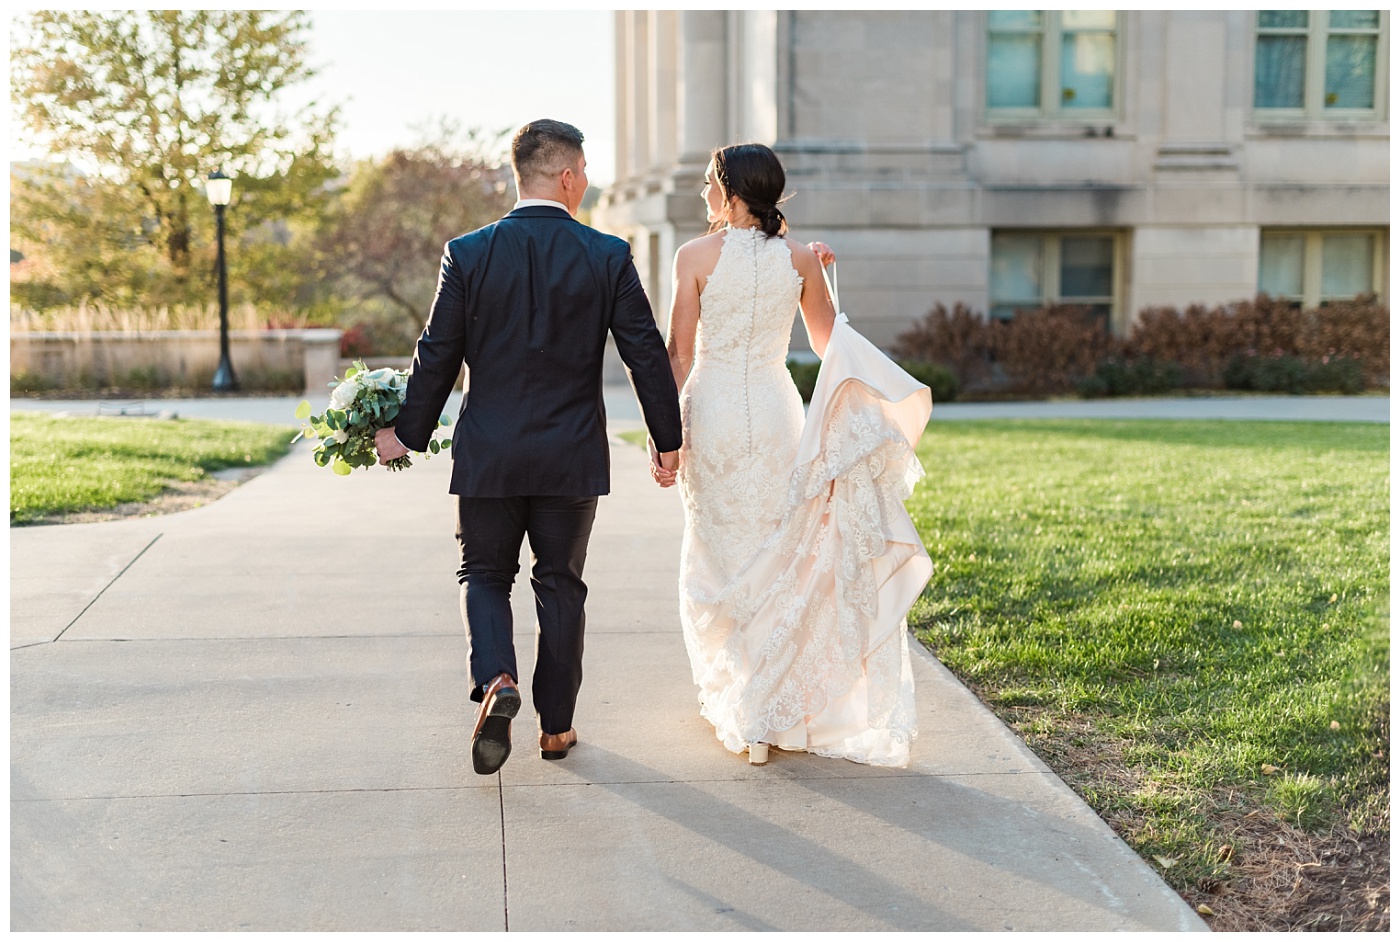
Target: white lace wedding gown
point(799, 561)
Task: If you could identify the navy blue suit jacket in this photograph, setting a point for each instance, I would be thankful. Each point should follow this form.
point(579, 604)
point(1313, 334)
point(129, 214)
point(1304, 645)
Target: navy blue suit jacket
point(527, 303)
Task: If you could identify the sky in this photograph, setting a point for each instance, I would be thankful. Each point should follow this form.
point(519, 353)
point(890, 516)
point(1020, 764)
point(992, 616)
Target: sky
point(394, 71)
point(394, 74)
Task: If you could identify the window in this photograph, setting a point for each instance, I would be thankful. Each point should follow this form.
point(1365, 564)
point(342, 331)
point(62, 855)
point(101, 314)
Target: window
point(1047, 63)
point(1030, 270)
point(1317, 64)
point(1313, 268)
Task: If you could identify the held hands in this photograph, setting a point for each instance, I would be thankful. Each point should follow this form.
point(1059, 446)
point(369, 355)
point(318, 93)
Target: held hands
point(388, 446)
point(663, 466)
point(823, 252)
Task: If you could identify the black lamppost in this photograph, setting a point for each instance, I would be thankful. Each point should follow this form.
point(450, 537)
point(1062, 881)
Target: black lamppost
point(219, 188)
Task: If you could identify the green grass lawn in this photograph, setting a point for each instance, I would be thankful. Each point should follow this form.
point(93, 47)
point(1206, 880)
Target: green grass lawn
point(65, 465)
point(1189, 620)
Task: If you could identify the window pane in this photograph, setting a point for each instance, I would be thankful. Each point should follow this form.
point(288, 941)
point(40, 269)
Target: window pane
point(1017, 263)
point(1281, 266)
point(1351, 71)
point(1086, 267)
point(1354, 19)
point(1283, 19)
point(1346, 265)
point(1086, 70)
point(1088, 19)
point(1013, 71)
point(1279, 70)
point(1013, 19)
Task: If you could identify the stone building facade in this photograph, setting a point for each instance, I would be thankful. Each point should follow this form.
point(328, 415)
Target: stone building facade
point(1004, 159)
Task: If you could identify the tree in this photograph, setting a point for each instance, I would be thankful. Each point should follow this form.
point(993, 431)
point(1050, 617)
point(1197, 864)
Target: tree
point(148, 103)
point(398, 211)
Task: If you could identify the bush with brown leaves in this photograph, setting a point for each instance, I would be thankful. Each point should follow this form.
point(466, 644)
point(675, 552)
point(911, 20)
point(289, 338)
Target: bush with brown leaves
point(1056, 349)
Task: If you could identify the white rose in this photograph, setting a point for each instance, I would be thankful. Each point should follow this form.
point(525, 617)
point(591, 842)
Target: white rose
point(344, 394)
point(340, 435)
point(383, 377)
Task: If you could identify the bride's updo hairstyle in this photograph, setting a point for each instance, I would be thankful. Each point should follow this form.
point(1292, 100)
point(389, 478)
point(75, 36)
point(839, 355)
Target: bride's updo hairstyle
point(753, 173)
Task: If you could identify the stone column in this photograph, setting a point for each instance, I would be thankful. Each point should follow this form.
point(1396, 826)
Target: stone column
point(701, 88)
point(320, 358)
point(622, 96)
point(664, 56)
point(640, 87)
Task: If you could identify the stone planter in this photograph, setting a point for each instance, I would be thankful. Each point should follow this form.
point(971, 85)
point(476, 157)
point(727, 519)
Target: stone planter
point(262, 359)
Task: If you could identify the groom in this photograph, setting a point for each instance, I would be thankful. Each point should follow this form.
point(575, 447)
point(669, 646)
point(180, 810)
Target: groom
point(527, 303)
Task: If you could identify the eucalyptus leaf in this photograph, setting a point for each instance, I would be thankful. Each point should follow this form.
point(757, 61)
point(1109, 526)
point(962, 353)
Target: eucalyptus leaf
point(340, 467)
point(433, 446)
point(304, 410)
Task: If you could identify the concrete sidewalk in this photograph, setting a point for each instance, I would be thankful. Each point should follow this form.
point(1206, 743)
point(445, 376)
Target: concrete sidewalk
point(254, 715)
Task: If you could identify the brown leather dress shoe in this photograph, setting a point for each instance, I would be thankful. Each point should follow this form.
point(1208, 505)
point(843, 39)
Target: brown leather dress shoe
point(491, 737)
point(557, 745)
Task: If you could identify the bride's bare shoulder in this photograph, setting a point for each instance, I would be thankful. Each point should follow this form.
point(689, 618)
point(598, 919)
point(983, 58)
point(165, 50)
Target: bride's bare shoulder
point(701, 254)
point(803, 258)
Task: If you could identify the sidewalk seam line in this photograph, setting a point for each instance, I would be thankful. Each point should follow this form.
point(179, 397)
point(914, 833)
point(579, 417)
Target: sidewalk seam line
point(108, 586)
point(505, 880)
point(502, 786)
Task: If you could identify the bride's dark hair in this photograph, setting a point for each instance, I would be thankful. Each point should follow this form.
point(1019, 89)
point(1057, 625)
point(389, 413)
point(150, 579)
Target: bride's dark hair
point(753, 173)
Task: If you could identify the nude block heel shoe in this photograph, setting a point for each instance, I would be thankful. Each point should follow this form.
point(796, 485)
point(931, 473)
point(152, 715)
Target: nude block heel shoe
point(758, 753)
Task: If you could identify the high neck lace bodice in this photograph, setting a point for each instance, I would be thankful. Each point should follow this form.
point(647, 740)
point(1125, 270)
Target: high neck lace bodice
point(748, 304)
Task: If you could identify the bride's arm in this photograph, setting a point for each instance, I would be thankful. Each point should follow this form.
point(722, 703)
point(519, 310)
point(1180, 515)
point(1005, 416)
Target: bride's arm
point(685, 315)
point(818, 314)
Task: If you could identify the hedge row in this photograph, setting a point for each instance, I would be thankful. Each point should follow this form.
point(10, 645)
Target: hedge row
point(1263, 344)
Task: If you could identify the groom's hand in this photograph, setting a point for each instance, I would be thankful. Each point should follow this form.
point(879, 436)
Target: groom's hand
point(388, 446)
point(663, 466)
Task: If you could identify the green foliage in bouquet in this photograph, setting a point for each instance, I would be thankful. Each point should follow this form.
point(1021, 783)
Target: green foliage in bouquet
point(361, 404)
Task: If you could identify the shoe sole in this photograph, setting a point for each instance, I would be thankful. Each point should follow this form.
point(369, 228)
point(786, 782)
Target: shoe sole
point(491, 746)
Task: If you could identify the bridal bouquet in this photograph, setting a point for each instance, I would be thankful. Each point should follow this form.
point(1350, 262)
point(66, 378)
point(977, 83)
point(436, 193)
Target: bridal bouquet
point(362, 403)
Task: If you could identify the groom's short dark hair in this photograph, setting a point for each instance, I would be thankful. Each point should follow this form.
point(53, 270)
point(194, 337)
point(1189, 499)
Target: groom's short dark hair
point(543, 148)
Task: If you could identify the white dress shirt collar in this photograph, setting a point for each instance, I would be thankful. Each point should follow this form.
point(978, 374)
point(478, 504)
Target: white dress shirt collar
point(521, 204)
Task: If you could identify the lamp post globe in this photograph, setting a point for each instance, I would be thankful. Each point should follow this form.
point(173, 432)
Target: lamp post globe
point(219, 189)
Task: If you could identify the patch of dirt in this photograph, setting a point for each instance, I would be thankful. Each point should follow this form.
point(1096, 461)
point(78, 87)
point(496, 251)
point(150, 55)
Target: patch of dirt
point(1287, 879)
point(1273, 876)
point(177, 497)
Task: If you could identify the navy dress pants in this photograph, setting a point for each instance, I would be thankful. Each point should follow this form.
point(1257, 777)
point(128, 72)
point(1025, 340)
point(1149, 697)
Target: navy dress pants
point(489, 533)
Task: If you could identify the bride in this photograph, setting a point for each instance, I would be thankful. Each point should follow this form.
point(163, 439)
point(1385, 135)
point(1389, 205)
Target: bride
point(799, 561)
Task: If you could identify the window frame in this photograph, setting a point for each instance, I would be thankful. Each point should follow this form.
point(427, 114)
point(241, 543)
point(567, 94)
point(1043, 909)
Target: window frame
point(1051, 107)
point(1315, 72)
point(1051, 256)
point(1312, 260)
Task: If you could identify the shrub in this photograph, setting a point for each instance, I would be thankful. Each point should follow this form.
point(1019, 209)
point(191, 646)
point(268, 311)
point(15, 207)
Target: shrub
point(1051, 349)
point(1263, 344)
point(804, 375)
point(355, 341)
point(1115, 376)
point(1265, 374)
point(25, 382)
point(1336, 374)
point(1210, 343)
point(938, 378)
point(958, 340)
point(1294, 375)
